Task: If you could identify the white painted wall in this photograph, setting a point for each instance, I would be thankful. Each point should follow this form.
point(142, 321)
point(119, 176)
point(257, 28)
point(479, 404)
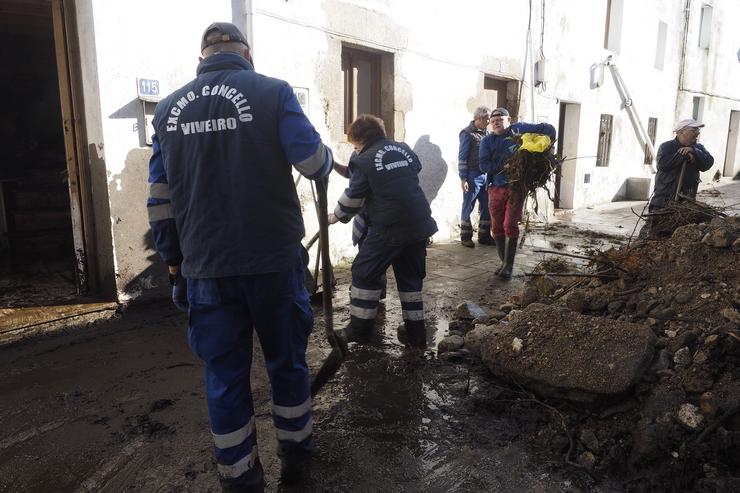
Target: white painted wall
point(441, 52)
point(714, 75)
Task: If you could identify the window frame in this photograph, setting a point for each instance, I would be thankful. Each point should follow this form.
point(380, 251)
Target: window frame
point(705, 26)
point(613, 27)
point(350, 57)
point(652, 132)
point(604, 147)
point(661, 45)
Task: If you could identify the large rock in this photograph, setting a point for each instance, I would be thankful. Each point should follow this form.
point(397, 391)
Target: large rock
point(565, 354)
point(467, 310)
point(475, 338)
point(718, 238)
point(450, 343)
point(720, 234)
point(688, 232)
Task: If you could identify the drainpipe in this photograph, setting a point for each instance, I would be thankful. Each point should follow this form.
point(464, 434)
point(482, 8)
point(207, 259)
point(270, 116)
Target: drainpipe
point(531, 79)
point(682, 66)
point(684, 44)
point(242, 12)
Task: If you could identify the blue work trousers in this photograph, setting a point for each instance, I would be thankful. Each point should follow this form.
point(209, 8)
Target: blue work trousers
point(223, 312)
point(476, 193)
point(409, 266)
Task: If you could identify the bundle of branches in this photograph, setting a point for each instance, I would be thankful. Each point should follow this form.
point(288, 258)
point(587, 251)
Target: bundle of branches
point(527, 171)
point(680, 213)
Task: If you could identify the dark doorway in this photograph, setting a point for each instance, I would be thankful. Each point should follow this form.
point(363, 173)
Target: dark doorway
point(501, 93)
point(36, 240)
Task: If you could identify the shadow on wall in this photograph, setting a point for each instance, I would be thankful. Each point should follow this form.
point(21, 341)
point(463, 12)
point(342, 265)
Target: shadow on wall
point(141, 272)
point(152, 282)
point(433, 167)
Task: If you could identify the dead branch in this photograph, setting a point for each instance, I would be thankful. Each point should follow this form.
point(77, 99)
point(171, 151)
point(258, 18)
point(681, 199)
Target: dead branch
point(569, 274)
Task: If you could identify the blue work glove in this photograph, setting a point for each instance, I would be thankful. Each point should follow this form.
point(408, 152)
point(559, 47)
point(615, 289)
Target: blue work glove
point(179, 291)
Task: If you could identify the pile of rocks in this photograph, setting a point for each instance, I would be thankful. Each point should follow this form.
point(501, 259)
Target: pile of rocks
point(653, 349)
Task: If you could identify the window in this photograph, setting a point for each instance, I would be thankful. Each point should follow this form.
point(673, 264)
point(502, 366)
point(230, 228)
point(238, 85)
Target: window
point(361, 70)
point(697, 108)
point(613, 31)
point(652, 130)
point(705, 26)
point(496, 93)
point(660, 46)
point(605, 140)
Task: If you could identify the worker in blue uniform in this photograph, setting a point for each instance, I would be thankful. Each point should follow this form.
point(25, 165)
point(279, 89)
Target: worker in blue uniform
point(360, 223)
point(473, 180)
point(226, 219)
point(505, 203)
point(384, 180)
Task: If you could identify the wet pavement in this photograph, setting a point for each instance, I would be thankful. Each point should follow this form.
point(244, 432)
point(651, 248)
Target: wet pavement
point(118, 405)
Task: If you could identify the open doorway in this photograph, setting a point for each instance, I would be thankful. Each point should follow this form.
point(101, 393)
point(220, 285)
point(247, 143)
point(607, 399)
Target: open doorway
point(501, 93)
point(731, 155)
point(40, 243)
point(567, 149)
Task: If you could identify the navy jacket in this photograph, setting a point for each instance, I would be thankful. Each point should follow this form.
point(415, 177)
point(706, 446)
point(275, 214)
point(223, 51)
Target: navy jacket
point(385, 180)
point(670, 163)
point(496, 149)
point(222, 198)
point(467, 158)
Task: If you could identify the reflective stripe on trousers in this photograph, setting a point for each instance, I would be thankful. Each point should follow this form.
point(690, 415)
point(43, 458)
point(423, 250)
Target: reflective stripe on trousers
point(373, 259)
point(222, 314)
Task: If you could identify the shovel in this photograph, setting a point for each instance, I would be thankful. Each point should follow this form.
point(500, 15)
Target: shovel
point(338, 346)
point(680, 182)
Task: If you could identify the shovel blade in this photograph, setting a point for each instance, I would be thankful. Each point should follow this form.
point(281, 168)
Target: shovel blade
point(331, 364)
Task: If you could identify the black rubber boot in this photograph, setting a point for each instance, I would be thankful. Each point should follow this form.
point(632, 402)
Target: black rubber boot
point(358, 331)
point(484, 236)
point(501, 249)
point(416, 334)
point(295, 466)
point(466, 235)
point(254, 484)
point(509, 254)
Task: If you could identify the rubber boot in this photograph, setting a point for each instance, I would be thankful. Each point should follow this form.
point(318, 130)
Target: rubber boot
point(509, 254)
point(466, 235)
point(358, 331)
point(501, 249)
point(295, 466)
point(255, 483)
point(484, 236)
point(416, 334)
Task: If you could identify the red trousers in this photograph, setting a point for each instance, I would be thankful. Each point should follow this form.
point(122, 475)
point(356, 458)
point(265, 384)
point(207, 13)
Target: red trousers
point(505, 206)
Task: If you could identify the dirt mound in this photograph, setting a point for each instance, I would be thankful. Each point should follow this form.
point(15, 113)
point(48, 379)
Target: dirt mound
point(679, 426)
point(605, 358)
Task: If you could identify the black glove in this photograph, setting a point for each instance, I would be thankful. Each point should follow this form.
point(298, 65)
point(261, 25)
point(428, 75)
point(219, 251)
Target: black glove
point(179, 291)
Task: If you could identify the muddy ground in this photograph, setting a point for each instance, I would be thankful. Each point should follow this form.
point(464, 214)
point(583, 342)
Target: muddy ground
point(118, 404)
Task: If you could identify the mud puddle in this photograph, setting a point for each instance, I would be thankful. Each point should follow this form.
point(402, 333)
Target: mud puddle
point(404, 420)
